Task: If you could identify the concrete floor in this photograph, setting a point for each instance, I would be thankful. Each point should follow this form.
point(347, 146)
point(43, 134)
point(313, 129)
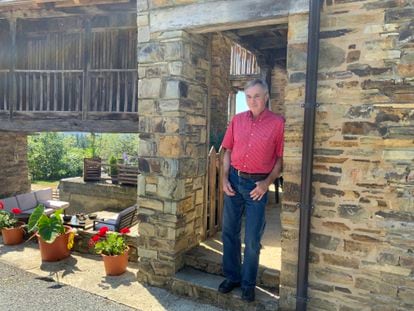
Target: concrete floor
point(270, 255)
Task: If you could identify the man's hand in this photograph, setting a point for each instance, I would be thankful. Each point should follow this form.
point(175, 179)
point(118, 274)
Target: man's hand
point(261, 188)
point(227, 187)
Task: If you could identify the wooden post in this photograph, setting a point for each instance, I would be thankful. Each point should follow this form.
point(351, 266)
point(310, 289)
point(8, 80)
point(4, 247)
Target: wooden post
point(13, 59)
point(87, 44)
point(220, 192)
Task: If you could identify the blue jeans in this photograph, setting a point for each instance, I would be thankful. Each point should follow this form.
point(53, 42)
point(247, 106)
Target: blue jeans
point(234, 206)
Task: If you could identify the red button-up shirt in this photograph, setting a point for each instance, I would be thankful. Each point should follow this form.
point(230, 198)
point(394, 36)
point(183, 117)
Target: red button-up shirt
point(255, 144)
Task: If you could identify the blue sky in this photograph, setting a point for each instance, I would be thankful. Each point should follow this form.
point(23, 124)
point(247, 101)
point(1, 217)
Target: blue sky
point(240, 102)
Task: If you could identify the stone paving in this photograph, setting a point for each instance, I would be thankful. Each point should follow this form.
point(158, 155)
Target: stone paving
point(86, 272)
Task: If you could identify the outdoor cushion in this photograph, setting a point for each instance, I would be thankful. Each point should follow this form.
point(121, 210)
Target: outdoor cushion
point(44, 194)
point(47, 211)
point(26, 201)
point(110, 223)
point(10, 203)
point(54, 204)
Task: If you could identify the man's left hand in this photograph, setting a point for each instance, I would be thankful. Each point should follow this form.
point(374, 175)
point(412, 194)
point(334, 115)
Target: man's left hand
point(260, 190)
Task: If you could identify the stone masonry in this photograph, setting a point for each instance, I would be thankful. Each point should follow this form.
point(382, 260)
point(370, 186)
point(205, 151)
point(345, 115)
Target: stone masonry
point(361, 254)
point(13, 165)
point(173, 70)
point(220, 87)
point(277, 91)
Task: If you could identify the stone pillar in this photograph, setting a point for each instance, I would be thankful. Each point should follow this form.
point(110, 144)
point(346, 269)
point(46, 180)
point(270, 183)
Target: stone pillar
point(14, 172)
point(292, 160)
point(173, 70)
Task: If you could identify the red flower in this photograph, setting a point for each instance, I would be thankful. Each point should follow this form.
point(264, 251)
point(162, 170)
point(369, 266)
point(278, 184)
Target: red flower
point(124, 230)
point(1, 205)
point(103, 231)
point(95, 238)
point(16, 210)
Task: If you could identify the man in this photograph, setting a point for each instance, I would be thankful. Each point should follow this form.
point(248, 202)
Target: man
point(252, 161)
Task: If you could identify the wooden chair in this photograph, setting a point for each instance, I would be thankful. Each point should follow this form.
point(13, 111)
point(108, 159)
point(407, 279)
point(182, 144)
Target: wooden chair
point(126, 218)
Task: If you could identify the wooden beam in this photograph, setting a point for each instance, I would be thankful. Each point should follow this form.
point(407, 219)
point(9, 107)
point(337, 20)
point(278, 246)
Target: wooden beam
point(255, 30)
point(68, 122)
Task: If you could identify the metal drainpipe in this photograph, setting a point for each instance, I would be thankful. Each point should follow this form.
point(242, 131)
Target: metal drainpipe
point(307, 154)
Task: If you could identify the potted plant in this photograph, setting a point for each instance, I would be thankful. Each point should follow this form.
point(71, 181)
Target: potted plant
point(113, 167)
point(11, 228)
point(55, 239)
point(113, 248)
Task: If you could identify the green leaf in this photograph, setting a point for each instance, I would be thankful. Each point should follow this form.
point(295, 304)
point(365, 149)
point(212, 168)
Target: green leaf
point(49, 228)
point(34, 217)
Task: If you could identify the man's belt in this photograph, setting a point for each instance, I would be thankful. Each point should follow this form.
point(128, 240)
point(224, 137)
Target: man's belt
point(251, 175)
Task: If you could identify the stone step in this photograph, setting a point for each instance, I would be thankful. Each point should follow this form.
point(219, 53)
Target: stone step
point(203, 286)
point(205, 259)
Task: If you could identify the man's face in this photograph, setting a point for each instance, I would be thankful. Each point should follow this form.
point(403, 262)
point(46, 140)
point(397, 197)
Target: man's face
point(256, 98)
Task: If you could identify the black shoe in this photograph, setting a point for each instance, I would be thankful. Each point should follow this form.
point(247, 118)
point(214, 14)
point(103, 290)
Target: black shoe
point(227, 286)
point(248, 294)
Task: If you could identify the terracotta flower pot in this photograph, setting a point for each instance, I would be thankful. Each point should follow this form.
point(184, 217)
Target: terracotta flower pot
point(116, 265)
point(13, 236)
point(58, 249)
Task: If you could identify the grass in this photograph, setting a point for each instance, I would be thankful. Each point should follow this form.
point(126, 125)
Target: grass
point(45, 183)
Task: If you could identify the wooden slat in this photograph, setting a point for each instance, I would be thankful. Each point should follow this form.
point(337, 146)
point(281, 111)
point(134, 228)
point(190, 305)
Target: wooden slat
point(220, 192)
point(212, 193)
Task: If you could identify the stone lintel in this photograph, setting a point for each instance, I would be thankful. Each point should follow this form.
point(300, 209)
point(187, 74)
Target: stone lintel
point(202, 15)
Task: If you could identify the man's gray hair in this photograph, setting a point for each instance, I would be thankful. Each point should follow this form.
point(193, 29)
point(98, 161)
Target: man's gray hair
point(255, 82)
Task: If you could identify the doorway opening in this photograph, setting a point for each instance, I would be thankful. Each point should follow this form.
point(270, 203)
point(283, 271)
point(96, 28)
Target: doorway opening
point(238, 56)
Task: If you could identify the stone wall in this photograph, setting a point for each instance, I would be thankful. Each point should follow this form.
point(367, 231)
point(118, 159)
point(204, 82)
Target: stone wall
point(361, 255)
point(14, 172)
point(220, 87)
point(173, 70)
point(277, 90)
point(89, 197)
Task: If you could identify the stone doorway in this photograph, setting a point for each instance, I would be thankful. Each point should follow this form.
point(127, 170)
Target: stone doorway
point(267, 45)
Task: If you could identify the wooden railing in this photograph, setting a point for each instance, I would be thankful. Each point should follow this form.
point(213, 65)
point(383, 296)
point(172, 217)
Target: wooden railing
point(214, 208)
point(4, 94)
point(93, 169)
point(49, 90)
point(243, 62)
point(109, 90)
point(113, 90)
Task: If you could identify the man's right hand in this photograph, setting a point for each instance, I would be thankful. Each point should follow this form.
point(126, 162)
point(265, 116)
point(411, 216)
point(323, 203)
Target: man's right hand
point(227, 188)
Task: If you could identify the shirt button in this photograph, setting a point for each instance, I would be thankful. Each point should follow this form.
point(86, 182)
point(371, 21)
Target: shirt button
point(250, 145)
point(251, 134)
point(247, 155)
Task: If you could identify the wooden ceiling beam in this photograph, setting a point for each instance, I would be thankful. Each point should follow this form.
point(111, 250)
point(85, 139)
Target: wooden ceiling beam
point(233, 36)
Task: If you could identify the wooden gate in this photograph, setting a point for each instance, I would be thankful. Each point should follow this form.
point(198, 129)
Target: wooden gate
point(213, 212)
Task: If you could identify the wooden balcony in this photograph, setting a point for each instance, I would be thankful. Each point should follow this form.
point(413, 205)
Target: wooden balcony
point(69, 73)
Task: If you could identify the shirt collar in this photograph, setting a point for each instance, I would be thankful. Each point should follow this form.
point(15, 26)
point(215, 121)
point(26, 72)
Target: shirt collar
point(261, 115)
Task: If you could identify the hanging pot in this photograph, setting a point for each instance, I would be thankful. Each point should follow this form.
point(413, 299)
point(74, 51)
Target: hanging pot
point(13, 236)
point(58, 249)
point(116, 265)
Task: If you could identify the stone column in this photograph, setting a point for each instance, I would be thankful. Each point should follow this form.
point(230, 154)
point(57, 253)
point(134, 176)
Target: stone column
point(292, 160)
point(14, 172)
point(173, 70)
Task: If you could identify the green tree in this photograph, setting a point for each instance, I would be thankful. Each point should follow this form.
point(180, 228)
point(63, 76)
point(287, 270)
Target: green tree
point(45, 156)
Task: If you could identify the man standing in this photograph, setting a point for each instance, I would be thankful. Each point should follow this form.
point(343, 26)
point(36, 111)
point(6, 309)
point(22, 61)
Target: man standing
point(252, 161)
